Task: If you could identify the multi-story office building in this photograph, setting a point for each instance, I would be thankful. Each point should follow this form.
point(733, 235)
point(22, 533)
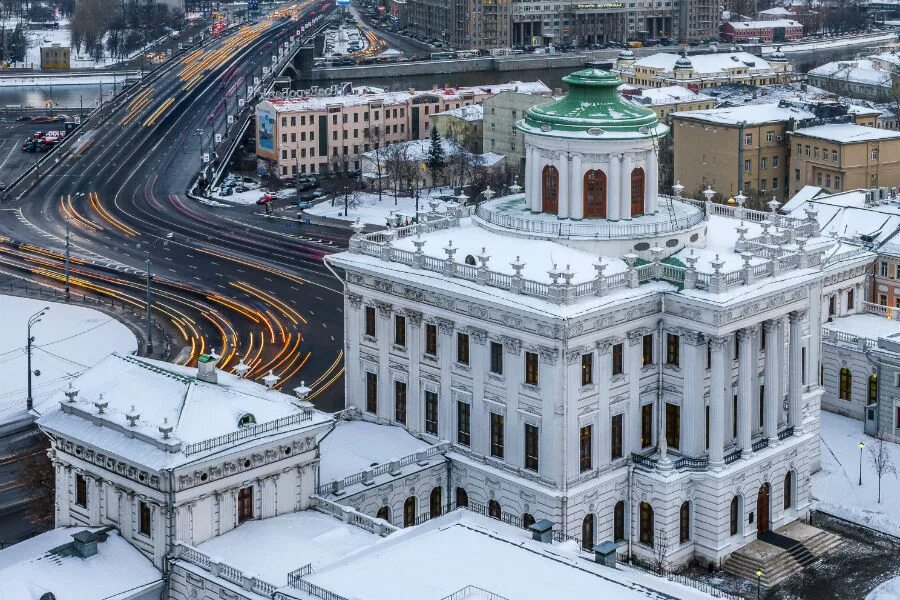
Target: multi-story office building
point(501, 113)
point(649, 346)
point(322, 134)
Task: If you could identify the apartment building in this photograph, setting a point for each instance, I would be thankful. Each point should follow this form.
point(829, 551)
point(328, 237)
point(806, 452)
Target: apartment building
point(778, 30)
point(324, 134)
point(500, 114)
point(845, 156)
point(667, 100)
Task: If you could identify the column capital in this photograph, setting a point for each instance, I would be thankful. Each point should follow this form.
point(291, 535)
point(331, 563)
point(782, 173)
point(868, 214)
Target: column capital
point(384, 308)
point(354, 299)
point(798, 316)
point(772, 325)
point(605, 346)
point(414, 316)
point(747, 333)
point(718, 343)
point(692, 338)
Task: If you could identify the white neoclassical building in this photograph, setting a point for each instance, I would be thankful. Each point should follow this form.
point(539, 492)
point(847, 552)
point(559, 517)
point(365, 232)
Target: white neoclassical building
point(630, 366)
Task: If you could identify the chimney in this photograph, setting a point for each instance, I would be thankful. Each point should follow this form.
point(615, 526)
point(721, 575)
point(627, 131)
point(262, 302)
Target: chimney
point(605, 554)
point(206, 368)
point(85, 543)
point(542, 531)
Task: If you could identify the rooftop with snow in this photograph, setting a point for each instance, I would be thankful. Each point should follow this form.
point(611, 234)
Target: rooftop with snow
point(709, 65)
point(759, 114)
point(847, 133)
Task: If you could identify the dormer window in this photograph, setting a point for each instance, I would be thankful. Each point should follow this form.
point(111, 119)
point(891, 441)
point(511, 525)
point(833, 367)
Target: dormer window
point(246, 419)
point(470, 260)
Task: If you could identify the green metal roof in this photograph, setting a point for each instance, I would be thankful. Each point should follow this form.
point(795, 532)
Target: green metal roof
point(593, 107)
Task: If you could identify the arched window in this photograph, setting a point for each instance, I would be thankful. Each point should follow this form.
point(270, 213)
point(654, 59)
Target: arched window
point(527, 520)
point(845, 384)
point(470, 260)
point(646, 529)
point(494, 510)
point(735, 515)
point(587, 532)
point(409, 512)
point(619, 521)
point(550, 190)
point(246, 419)
point(384, 513)
point(462, 498)
point(788, 490)
point(637, 192)
point(684, 522)
point(435, 503)
point(872, 397)
point(595, 194)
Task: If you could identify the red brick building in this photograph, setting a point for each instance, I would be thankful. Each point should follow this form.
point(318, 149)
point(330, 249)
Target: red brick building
point(781, 30)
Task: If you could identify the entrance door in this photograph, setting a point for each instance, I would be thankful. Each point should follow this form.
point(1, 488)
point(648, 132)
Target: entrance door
point(762, 509)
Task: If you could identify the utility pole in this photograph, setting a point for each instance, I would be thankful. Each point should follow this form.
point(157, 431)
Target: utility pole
point(80, 108)
point(32, 320)
point(149, 332)
point(67, 259)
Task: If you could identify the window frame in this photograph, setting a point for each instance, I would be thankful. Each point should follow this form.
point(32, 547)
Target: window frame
point(400, 401)
point(370, 322)
point(532, 368)
point(587, 368)
point(145, 525)
point(532, 447)
point(462, 348)
point(432, 406)
point(463, 423)
point(586, 448)
point(81, 495)
point(496, 358)
point(400, 330)
point(371, 392)
point(497, 433)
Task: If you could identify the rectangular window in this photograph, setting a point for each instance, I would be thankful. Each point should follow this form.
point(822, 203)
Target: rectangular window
point(816, 152)
point(618, 362)
point(764, 163)
point(762, 185)
point(585, 447)
point(748, 139)
point(834, 155)
point(431, 412)
point(673, 343)
point(646, 425)
point(776, 161)
point(462, 348)
point(496, 435)
point(884, 268)
point(615, 437)
point(673, 426)
point(531, 447)
point(245, 504)
point(587, 369)
point(143, 518)
point(431, 339)
point(850, 298)
point(497, 358)
point(806, 149)
point(748, 165)
point(80, 490)
point(874, 153)
point(371, 392)
point(799, 150)
point(796, 174)
point(400, 330)
point(762, 406)
point(647, 350)
point(770, 136)
point(370, 321)
point(463, 412)
point(531, 368)
point(400, 402)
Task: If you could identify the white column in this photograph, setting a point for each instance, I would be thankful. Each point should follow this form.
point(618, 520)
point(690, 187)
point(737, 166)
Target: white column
point(625, 182)
point(353, 334)
point(773, 364)
point(745, 388)
point(614, 190)
point(537, 166)
point(693, 405)
point(795, 386)
point(717, 402)
point(782, 371)
point(413, 397)
point(384, 335)
point(529, 167)
point(576, 197)
point(563, 212)
point(478, 425)
point(446, 356)
point(604, 374)
point(651, 191)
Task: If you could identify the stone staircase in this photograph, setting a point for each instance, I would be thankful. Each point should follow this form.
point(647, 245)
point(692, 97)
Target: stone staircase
point(779, 557)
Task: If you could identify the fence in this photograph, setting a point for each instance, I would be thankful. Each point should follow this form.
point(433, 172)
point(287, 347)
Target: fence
point(369, 474)
point(224, 570)
point(471, 591)
point(354, 517)
point(249, 432)
point(647, 567)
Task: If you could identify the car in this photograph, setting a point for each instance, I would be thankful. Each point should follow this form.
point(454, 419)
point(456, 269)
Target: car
point(304, 204)
point(226, 192)
point(318, 194)
point(23, 118)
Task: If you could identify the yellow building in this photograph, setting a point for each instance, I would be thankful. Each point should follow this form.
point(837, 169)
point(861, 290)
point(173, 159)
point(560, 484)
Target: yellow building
point(55, 57)
point(844, 156)
point(464, 124)
point(666, 100)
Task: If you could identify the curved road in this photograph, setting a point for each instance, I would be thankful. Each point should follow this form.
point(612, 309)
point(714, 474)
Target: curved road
point(258, 297)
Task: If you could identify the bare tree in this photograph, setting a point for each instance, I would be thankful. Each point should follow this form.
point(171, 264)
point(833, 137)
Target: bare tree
point(346, 190)
point(36, 476)
point(375, 138)
point(400, 169)
point(660, 555)
point(881, 461)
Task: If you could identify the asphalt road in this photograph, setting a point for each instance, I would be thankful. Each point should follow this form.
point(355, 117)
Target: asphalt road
point(13, 160)
point(253, 294)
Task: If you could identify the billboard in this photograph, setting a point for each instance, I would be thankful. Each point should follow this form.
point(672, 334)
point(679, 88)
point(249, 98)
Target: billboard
point(265, 130)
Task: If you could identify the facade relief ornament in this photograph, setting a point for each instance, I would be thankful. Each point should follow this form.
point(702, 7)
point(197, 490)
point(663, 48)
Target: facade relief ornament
point(479, 336)
point(511, 320)
point(414, 317)
point(548, 356)
point(604, 347)
point(414, 294)
point(445, 326)
point(354, 299)
point(384, 286)
point(478, 311)
point(384, 308)
point(512, 345)
point(572, 356)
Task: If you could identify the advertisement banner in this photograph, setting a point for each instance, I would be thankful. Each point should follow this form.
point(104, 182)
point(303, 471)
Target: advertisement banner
point(265, 134)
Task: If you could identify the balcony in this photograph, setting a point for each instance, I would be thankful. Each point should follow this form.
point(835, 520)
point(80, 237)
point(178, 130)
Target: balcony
point(650, 461)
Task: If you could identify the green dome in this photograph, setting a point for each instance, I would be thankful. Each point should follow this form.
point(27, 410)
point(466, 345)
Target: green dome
point(593, 108)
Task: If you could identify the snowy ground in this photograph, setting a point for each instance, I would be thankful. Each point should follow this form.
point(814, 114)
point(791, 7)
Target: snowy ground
point(67, 340)
point(806, 46)
point(835, 488)
point(889, 590)
point(370, 211)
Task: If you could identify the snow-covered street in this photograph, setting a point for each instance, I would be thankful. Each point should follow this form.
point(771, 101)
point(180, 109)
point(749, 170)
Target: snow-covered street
point(68, 339)
point(836, 488)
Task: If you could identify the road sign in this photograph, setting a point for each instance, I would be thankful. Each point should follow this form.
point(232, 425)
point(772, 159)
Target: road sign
point(206, 157)
point(231, 118)
point(218, 138)
point(241, 102)
point(256, 81)
point(265, 70)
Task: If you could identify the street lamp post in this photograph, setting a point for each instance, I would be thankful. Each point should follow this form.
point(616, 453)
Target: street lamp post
point(759, 575)
point(67, 259)
point(165, 242)
point(80, 108)
point(861, 446)
point(32, 320)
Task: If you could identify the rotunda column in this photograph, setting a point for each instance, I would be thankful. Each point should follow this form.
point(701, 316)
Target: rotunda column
point(612, 197)
point(530, 165)
point(576, 198)
point(537, 164)
point(563, 211)
point(625, 194)
point(651, 190)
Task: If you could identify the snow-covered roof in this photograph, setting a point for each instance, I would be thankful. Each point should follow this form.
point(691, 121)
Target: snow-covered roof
point(847, 133)
point(887, 57)
point(301, 538)
point(418, 150)
point(48, 563)
point(353, 446)
point(777, 11)
point(670, 94)
point(846, 215)
point(707, 65)
point(856, 71)
point(868, 326)
point(161, 394)
point(753, 115)
point(471, 113)
point(426, 563)
point(764, 24)
point(303, 103)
